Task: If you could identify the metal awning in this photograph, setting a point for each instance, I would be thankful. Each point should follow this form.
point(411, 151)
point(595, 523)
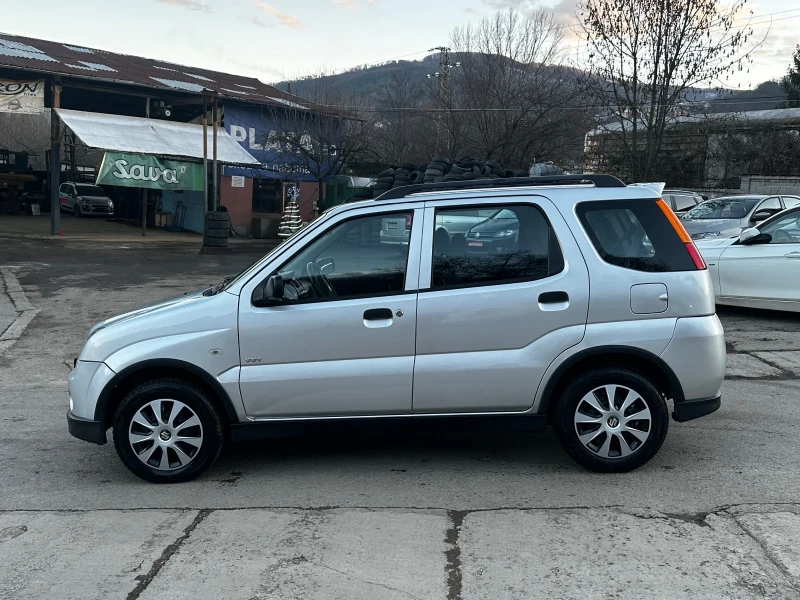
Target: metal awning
point(151, 136)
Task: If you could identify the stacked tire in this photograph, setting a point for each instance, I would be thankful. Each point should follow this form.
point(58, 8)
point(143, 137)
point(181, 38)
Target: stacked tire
point(442, 169)
point(218, 227)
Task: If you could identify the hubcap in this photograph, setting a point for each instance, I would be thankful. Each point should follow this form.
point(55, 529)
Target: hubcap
point(165, 434)
point(612, 421)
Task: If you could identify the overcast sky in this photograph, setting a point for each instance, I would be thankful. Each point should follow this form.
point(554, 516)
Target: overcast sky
point(278, 39)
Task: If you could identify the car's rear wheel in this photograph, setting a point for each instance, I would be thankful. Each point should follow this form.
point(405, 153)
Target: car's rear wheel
point(167, 431)
point(611, 420)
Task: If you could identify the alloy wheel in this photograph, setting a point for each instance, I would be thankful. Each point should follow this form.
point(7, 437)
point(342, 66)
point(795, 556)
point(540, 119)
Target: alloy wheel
point(165, 434)
point(612, 421)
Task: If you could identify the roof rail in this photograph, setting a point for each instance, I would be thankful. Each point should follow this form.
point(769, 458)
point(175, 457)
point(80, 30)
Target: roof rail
point(602, 181)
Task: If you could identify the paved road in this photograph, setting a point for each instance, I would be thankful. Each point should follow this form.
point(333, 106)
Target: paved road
point(715, 515)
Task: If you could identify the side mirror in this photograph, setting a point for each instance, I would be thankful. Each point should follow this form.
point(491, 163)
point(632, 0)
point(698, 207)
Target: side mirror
point(269, 292)
point(761, 215)
point(326, 265)
point(752, 235)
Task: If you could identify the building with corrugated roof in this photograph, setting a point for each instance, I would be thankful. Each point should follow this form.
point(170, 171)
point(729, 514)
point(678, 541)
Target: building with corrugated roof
point(87, 79)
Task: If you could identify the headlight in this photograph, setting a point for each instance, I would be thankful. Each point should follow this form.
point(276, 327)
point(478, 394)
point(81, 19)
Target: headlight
point(111, 204)
point(504, 233)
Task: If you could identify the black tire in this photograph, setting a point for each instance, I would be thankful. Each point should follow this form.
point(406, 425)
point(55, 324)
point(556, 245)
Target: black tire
point(218, 225)
point(197, 401)
point(438, 179)
point(573, 396)
point(434, 172)
point(486, 171)
point(386, 173)
point(521, 173)
point(76, 211)
point(452, 177)
point(386, 179)
point(470, 176)
point(217, 215)
point(217, 233)
point(441, 159)
point(508, 173)
point(443, 167)
point(402, 181)
point(216, 242)
point(456, 170)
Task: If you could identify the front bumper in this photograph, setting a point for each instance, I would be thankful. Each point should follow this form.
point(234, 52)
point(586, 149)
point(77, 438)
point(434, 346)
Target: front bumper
point(84, 429)
point(694, 409)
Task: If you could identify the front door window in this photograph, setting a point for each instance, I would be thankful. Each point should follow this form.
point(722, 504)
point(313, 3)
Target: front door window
point(358, 258)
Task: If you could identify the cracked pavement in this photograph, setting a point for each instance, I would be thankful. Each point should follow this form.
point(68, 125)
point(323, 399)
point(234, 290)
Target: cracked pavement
point(716, 514)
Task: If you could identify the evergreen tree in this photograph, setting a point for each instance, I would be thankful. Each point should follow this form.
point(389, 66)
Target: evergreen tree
point(791, 82)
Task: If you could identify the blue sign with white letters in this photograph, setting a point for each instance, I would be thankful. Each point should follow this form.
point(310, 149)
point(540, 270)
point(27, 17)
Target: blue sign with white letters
point(254, 128)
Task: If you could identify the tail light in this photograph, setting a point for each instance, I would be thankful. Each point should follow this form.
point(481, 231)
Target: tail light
point(694, 253)
point(409, 218)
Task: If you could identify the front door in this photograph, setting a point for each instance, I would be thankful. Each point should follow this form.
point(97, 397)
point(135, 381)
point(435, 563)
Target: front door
point(765, 271)
point(497, 305)
point(341, 343)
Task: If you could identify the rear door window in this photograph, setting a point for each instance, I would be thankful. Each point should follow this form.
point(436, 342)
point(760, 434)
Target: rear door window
point(634, 234)
point(514, 243)
point(791, 201)
point(682, 203)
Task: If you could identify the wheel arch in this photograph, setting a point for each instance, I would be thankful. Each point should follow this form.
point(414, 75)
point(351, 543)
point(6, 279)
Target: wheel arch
point(641, 361)
point(124, 381)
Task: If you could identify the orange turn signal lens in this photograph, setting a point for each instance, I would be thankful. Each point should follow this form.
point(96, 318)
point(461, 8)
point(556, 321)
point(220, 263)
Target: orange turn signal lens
point(674, 221)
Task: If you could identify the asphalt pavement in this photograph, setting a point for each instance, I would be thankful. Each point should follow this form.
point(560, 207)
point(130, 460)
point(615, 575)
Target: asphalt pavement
point(716, 514)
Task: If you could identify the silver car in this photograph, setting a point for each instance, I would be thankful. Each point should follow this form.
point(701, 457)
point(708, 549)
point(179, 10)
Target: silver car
point(596, 316)
point(727, 216)
point(82, 199)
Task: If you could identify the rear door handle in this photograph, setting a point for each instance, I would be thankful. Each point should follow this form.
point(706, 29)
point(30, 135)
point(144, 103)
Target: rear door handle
point(553, 297)
point(377, 314)
point(795, 255)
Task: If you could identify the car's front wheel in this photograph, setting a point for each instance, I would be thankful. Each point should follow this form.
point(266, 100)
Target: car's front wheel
point(167, 430)
point(611, 420)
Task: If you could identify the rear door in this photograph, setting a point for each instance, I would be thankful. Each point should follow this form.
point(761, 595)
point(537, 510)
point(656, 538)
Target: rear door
point(491, 318)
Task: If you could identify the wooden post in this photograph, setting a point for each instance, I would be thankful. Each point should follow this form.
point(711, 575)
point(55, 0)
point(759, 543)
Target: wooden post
point(144, 190)
point(55, 160)
point(205, 166)
point(215, 196)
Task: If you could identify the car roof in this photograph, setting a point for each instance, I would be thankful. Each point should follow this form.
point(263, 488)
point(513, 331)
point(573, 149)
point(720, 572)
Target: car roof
point(742, 197)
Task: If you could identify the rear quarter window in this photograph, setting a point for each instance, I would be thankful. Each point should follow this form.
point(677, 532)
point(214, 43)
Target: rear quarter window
point(634, 234)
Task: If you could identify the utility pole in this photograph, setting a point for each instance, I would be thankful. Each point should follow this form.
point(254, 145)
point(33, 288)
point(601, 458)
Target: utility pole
point(443, 88)
point(55, 159)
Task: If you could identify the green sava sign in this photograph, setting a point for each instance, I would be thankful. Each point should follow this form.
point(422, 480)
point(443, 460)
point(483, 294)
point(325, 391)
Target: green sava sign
point(145, 171)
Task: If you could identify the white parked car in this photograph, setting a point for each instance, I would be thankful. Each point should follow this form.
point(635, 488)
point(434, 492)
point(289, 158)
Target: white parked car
point(761, 267)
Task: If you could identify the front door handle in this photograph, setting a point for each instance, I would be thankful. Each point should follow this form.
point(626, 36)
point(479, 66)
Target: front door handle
point(553, 297)
point(795, 255)
point(377, 314)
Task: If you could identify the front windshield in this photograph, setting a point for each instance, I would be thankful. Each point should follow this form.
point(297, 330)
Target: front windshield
point(722, 208)
point(90, 190)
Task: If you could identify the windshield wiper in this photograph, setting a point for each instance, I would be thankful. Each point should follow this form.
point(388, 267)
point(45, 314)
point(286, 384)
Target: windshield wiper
point(218, 287)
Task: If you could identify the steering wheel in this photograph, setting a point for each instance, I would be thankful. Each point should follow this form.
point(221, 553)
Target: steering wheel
point(781, 237)
point(322, 287)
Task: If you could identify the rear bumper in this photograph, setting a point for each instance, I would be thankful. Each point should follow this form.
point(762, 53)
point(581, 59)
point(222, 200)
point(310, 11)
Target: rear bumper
point(84, 429)
point(694, 409)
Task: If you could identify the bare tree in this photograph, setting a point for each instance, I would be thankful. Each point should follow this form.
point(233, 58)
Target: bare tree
point(320, 137)
point(645, 59)
point(511, 91)
point(402, 127)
